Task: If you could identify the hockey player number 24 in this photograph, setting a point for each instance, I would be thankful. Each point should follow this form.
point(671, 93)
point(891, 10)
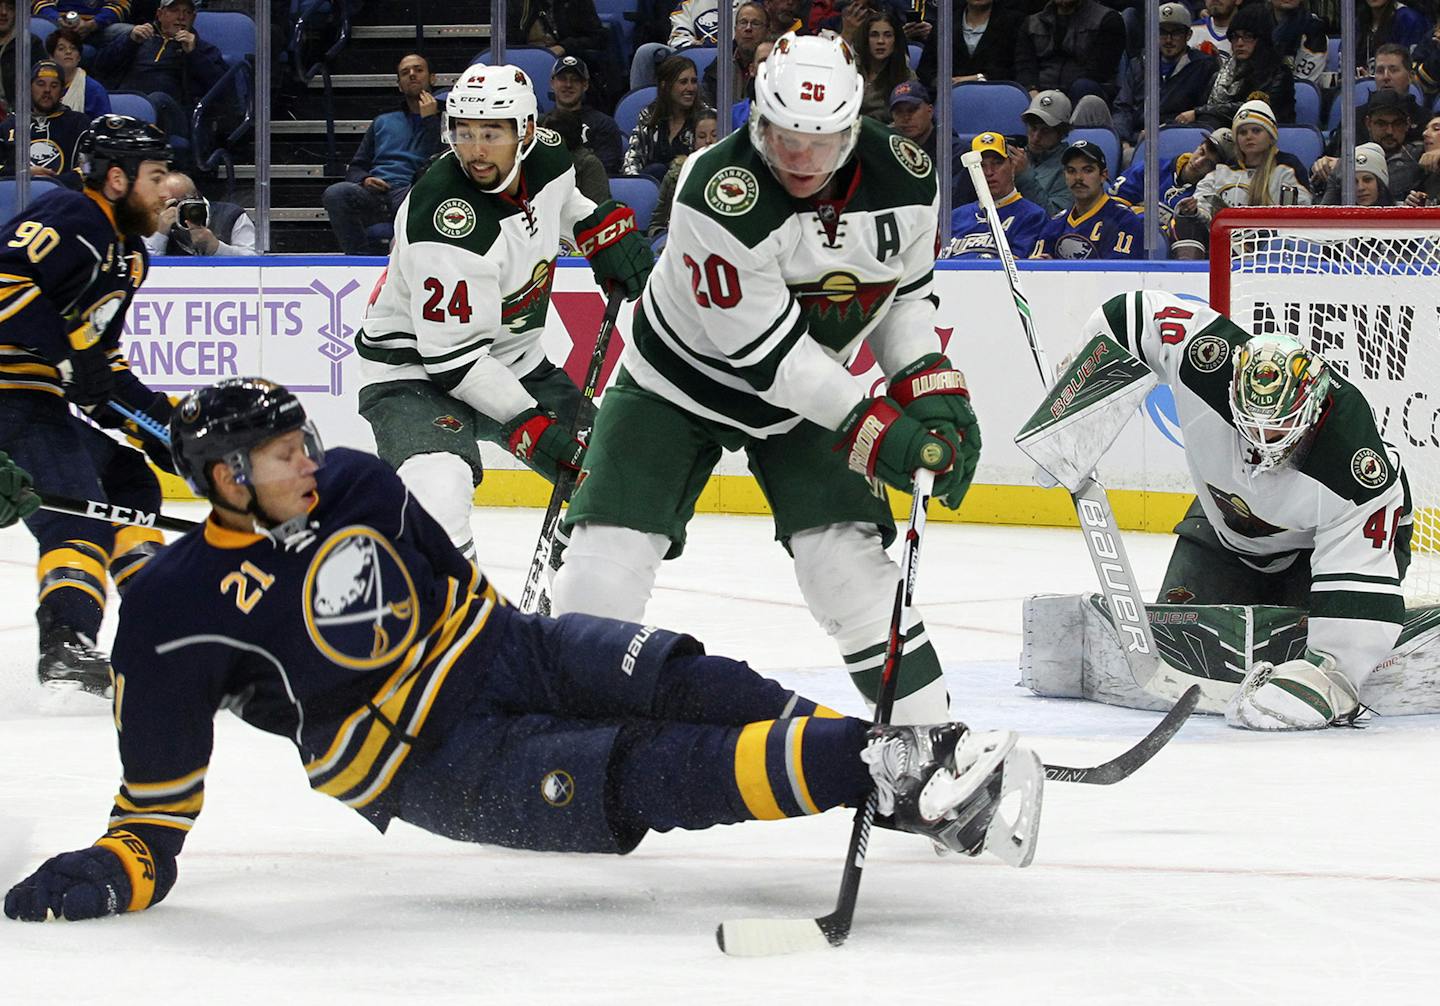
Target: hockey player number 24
point(458, 307)
point(719, 278)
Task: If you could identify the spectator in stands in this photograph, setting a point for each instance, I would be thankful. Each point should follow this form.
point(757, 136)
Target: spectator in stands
point(666, 126)
point(1428, 193)
point(1372, 176)
point(985, 36)
point(590, 176)
point(1072, 46)
point(1258, 179)
point(1040, 173)
point(784, 16)
point(7, 53)
point(1300, 38)
point(83, 92)
point(1097, 226)
point(750, 25)
point(883, 63)
point(707, 131)
point(54, 130)
point(1381, 21)
point(570, 80)
point(1426, 57)
point(1388, 119)
point(395, 148)
point(1021, 220)
point(567, 28)
point(1211, 34)
point(912, 114)
point(1255, 65)
point(98, 22)
point(740, 111)
point(692, 23)
point(1185, 75)
point(190, 224)
point(165, 61)
point(1179, 176)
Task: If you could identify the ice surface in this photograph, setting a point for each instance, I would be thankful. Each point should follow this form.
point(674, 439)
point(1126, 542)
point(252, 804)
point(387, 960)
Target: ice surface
point(1233, 868)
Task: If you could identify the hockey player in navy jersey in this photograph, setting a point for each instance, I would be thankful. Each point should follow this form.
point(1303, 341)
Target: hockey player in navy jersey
point(1022, 219)
point(69, 266)
point(1097, 226)
point(323, 604)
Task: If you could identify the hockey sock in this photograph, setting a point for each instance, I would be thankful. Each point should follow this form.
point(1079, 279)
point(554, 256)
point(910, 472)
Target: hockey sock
point(919, 666)
point(701, 688)
point(133, 548)
point(72, 585)
point(677, 775)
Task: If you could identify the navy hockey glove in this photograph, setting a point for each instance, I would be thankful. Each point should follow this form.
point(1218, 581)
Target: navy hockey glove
point(611, 240)
point(116, 874)
point(160, 409)
point(91, 379)
point(17, 499)
point(933, 392)
point(883, 442)
point(537, 438)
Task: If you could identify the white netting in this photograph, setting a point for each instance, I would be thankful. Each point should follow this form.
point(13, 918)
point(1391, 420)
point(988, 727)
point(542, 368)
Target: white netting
point(1368, 298)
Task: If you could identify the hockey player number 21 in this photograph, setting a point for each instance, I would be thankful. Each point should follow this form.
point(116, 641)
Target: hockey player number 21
point(458, 307)
point(1375, 528)
point(717, 284)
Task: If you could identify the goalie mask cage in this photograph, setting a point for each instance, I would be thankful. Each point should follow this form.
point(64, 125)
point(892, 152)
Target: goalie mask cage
point(1361, 286)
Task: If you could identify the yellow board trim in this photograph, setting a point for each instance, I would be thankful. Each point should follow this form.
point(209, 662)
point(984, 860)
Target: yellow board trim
point(750, 774)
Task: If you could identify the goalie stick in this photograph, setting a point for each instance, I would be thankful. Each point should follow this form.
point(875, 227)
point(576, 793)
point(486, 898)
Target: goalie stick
point(532, 597)
point(768, 937)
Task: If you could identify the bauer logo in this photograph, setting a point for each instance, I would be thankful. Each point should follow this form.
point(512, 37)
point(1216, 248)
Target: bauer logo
point(454, 218)
point(557, 788)
point(360, 603)
point(1369, 468)
point(732, 191)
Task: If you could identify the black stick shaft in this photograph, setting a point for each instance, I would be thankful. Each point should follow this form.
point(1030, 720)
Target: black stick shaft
point(113, 513)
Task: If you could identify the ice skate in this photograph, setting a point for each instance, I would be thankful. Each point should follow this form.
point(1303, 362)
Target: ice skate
point(70, 662)
point(966, 791)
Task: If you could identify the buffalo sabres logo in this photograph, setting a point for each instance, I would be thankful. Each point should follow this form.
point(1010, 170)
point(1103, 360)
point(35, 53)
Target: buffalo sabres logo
point(359, 601)
point(910, 156)
point(732, 191)
point(557, 788)
point(454, 218)
point(1369, 468)
point(1208, 353)
point(1074, 246)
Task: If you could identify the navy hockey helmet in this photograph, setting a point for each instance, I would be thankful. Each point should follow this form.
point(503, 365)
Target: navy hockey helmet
point(120, 140)
point(224, 422)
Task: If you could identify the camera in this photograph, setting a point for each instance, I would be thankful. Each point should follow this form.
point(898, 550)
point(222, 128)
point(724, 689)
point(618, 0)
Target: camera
point(193, 211)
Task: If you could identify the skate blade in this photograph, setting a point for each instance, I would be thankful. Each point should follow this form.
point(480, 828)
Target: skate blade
point(69, 698)
point(1015, 827)
point(982, 753)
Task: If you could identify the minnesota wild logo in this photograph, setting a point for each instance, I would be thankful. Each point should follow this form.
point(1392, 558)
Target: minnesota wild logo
point(1239, 517)
point(840, 305)
point(526, 308)
point(454, 218)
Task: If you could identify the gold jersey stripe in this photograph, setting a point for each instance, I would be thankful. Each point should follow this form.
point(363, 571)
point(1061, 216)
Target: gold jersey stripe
point(750, 774)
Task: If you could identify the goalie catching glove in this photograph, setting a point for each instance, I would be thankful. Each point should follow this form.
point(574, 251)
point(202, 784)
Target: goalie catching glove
point(537, 438)
point(1304, 694)
point(883, 442)
point(619, 256)
point(116, 874)
point(933, 392)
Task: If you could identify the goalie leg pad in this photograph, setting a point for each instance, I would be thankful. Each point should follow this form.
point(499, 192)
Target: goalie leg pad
point(609, 571)
point(444, 485)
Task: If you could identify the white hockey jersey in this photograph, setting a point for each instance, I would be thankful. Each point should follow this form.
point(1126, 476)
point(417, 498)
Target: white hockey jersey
point(759, 300)
point(1346, 498)
point(464, 299)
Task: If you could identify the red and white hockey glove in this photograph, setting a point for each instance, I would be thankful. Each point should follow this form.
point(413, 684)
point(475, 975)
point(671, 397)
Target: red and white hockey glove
point(537, 438)
point(882, 442)
point(611, 240)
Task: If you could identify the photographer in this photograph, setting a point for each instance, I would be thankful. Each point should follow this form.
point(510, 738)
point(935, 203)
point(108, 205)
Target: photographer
point(190, 224)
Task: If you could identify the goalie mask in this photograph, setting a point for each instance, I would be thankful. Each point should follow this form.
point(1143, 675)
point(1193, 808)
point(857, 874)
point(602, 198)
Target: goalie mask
point(1276, 396)
point(806, 116)
point(482, 96)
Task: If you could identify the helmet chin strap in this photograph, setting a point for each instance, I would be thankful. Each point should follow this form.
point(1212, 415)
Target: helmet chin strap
point(505, 182)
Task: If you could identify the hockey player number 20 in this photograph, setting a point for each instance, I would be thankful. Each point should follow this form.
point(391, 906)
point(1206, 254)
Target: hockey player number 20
point(719, 279)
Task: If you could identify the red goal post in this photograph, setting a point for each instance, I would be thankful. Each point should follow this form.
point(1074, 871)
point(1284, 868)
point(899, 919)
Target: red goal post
point(1362, 286)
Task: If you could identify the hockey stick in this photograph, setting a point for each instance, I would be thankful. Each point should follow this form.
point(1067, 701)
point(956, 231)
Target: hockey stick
point(768, 937)
point(1124, 765)
point(1092, 505)
point(532, 598)
point(113, 513)
point(151, 426)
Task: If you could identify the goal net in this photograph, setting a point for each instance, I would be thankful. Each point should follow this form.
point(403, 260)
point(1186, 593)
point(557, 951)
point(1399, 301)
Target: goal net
point(1361, 286)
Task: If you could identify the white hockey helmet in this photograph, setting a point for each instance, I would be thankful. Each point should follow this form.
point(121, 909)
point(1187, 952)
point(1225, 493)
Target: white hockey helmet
point(1277, 394)
point(806, 115)
point(501, 92)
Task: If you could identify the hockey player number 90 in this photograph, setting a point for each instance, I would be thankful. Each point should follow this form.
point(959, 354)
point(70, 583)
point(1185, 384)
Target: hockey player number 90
point(719, 278)
point(37, 239)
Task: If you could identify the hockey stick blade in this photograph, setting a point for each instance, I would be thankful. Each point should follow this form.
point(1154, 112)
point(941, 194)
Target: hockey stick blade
point(1124, 765)
point(770, 937)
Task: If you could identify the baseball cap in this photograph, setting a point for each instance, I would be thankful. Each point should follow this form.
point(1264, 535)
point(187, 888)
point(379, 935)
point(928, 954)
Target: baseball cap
point(1050, 107)
point(1386, 100)
point(1223, 140)
point(909, 92)
point(991, 142)
point(46, 68)
point(1174, 14)
point(1084, 148)
point(570, 64)
point(172, 3)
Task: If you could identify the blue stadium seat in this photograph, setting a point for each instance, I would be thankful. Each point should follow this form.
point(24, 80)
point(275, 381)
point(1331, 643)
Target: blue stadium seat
point(38, 188)
point(978, 106)
point(1174, 141)
point(1103, 137)
point(41, 29)
point(1307, 103)
point(622, 31)
point(915, 52)
point(640, 193)
point(231, 32)
point(536, 62)
point(627, 111)
point(136, 105)
point(1332, 55)
point(1305, 142)
point(701, 56)
point(1363, 89)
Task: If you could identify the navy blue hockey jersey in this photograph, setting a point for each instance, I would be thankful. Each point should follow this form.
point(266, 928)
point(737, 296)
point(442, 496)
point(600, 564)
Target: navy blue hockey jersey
point(1110, 229)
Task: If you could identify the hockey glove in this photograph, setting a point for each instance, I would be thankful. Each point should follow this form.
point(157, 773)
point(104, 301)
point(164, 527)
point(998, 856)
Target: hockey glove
point(611, 240)
point(933, 392)
point(91, 381)
point(160, 409)
point(17, 499)
point(882, 442)
point(538, 439)
point(116, 874)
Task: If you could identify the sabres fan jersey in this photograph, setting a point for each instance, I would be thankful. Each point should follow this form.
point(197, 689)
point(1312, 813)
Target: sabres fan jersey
point(63, 262)
point(1022, 220)
point(1346, 498)
point(759, 299)
point(339, 637)
point(1109, 229)
point(464, 300)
